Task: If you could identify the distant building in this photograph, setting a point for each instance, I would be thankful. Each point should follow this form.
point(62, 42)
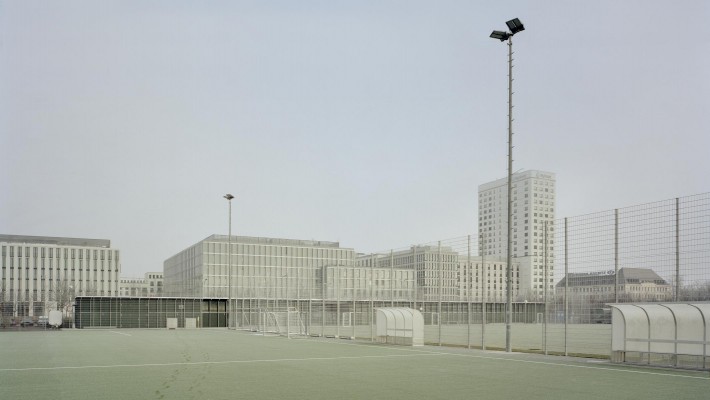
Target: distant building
point(438, 271)
point(269, 270)
point(151, 285)
point(262, 268)
point(435, 270)
point(365, 281)
point(40, 273)
point(484, 279)
point(533, 205)
point(634, 285)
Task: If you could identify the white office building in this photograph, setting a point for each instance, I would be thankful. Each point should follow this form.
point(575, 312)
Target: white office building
point(483, 279)
point(368, 281)
point(533, 208)
point(40, 273)
point(432, 273)
point(423, 273)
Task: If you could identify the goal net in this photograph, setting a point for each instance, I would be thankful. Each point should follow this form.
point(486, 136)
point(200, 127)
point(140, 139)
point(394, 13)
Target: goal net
point(281, 321)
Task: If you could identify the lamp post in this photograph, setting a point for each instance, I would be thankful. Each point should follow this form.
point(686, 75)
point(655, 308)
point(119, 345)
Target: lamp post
point(515, 26)
point(230, 309)
point(202, 303)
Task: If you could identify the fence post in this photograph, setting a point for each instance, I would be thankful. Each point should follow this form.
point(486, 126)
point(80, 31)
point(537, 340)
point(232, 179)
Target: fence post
point(391, 278)
point(546, 283)
point(414, 267)
point(324, 277)
point(311, 280)
point(372, 304)
point(288, 295)
point(677, 249)
point(566, 286)
point(616, 255)
point(337, 301)
point(484, 293)
point(469, 288)
point(441, 272)
point(353, 314)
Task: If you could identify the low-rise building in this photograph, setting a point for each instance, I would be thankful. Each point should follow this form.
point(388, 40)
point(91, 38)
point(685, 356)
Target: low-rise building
point(151, 285)
point(631, 285)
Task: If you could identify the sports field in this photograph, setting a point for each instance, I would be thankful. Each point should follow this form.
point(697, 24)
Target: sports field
point(223, 364)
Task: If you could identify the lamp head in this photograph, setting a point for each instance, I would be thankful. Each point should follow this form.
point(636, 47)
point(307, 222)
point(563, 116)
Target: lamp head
point(515, 26)
point(228, 196)
point(500, 35)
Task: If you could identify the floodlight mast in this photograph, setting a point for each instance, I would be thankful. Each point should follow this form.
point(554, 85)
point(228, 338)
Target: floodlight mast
point(515, 26)
point(230, 309)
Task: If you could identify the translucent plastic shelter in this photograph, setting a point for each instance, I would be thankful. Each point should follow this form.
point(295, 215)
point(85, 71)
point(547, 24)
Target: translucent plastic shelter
point(403, 326)
point(668, 334)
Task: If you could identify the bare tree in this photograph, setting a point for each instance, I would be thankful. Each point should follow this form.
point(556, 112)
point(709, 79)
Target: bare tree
point(697, 291)
point(64, 294)
point(5, 308)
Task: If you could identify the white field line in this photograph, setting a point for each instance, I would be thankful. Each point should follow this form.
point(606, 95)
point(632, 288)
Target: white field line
point(212, 362)
point(621, 368)
point(120, 333)
point(419, 352)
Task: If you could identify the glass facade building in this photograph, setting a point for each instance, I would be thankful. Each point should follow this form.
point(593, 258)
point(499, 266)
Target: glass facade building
point(262, 268)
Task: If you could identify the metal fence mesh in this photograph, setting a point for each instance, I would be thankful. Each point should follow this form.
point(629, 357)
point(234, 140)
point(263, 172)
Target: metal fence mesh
point(656, 252)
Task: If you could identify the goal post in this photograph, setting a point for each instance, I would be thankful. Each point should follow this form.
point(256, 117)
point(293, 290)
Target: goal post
point(285, 321)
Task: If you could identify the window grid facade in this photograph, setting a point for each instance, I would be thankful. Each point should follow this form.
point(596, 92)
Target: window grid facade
point(38, 273)
point(263, 268)
point(151, 285)
point(533, 209)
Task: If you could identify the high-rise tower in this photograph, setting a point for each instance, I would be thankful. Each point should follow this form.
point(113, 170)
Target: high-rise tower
point(533, 204)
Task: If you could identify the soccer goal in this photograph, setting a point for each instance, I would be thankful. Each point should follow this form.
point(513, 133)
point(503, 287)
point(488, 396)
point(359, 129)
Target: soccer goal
point(281, 321)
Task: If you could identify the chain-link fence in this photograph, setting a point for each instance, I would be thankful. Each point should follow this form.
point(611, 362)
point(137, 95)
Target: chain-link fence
point(561, 289)
point(656, 252)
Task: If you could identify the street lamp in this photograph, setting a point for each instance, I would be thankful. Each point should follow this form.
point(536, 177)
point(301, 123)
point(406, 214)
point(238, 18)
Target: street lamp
point(515, 26)
point(205, 282)
point(229, 198)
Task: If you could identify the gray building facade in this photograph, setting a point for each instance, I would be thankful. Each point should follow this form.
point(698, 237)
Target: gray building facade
point(262, 268)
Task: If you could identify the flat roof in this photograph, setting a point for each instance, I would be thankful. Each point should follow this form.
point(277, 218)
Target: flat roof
point(517, 177)
point(56, 241)
point(627, 275)
point(272, 241)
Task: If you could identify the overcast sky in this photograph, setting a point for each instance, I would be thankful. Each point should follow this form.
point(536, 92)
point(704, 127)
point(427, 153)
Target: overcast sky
point(371, 123)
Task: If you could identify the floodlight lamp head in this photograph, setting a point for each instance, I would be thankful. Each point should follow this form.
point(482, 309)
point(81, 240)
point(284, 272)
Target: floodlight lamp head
point(500, 35)
point(228, 196)
point(515, 26)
